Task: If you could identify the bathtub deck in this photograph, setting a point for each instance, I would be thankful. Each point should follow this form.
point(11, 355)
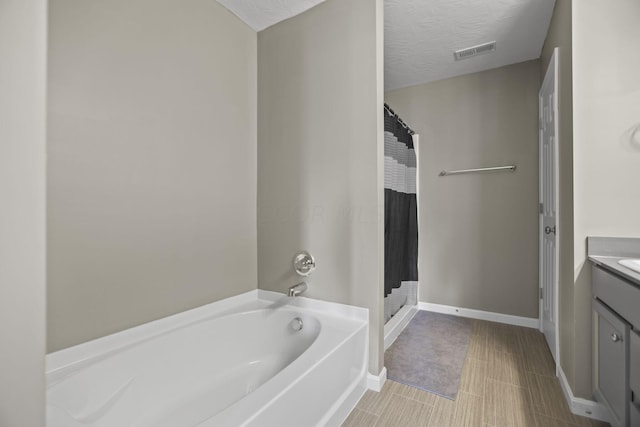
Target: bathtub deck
point(508, 380)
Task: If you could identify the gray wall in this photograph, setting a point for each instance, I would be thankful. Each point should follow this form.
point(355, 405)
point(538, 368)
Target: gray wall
point(320, 158)
point(22, 217)
point(560, 36)
point(606, 121)
point(152, 162)
point(478, 244)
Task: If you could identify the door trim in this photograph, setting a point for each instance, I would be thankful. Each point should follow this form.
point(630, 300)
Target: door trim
point(552, 68)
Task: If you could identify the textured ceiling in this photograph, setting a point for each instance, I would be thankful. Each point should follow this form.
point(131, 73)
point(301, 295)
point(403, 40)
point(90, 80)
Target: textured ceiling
point(421, 35)
point(260, 14)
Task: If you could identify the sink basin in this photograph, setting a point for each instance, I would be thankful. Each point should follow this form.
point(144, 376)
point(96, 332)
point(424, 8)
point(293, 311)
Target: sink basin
point(633, 264)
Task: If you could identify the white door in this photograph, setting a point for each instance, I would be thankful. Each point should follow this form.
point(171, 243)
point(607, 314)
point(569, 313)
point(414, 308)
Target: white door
point(548, 104)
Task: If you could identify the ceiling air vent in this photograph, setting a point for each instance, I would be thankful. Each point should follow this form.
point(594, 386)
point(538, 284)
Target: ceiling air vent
point(474, 50)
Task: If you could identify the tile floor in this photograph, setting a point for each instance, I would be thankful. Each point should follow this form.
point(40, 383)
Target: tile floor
point(508, 379)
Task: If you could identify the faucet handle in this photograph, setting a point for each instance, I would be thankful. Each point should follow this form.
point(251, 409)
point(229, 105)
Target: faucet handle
point(304, 264)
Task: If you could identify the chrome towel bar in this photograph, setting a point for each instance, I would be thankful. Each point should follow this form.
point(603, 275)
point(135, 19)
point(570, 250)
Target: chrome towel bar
point(493, 169)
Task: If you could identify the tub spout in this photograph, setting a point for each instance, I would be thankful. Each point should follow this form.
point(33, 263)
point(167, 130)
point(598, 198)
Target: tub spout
point(296, 290)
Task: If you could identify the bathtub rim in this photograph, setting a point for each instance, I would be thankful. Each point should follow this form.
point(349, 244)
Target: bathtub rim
point(62, 363)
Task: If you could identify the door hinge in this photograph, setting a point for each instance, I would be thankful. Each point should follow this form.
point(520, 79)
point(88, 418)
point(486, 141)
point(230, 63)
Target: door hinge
point(540, 208)
point(541, 293)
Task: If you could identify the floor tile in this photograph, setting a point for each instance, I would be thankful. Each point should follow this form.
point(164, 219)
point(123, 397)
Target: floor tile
point(412, 393)
point(474, 373)
point(536, 353)
point(508, 379)
point(359, 418)
point(443, 413)
point(468, 411)
point(507, 405)
point(402, 411)
point(503, 338)
point(478, 348)
point(374, 402)
point(547, 394)
point(507, 368)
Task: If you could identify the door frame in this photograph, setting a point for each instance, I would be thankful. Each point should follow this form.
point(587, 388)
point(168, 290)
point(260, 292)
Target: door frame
point(552, 68)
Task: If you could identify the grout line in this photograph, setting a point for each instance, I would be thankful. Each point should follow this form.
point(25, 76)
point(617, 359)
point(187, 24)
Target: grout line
point(482, 407)
point(416, 400)
point(433, 410)
point(494, 418)
point(484, 394)
point(455, 409)
point(506, 383)
point(367, 412)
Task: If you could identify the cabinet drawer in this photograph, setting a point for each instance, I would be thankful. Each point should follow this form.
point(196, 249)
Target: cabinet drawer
point(620, 295)
point(634, 377)
point(613, 363)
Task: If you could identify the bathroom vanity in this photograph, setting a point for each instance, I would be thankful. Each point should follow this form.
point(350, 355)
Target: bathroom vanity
point(616, 301)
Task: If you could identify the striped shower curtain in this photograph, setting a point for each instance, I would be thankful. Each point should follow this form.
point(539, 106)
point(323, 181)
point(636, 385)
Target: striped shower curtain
point(400, 210)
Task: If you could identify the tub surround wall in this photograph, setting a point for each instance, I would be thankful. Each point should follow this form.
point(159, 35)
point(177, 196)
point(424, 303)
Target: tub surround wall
point(320, 158)
point(152, 162)
point(560, 36)
point(606, 162)
point(478, 245)
point(23, 35)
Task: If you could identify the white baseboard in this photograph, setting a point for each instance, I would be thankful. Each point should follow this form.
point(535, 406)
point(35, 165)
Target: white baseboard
point(375, 382)
point(527, 322)
point(579, 406)
point(397, 323)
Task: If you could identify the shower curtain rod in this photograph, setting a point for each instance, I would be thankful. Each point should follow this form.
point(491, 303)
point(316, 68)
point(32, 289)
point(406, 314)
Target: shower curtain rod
point(393, 113)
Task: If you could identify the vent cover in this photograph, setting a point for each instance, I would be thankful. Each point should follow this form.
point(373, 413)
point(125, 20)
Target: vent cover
point(474, 50)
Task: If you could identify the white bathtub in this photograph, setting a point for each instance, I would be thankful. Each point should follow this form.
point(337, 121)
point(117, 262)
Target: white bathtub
point(237, 362)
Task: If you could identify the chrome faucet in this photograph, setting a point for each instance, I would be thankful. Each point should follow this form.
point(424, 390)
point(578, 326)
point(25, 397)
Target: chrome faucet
point(296, 290)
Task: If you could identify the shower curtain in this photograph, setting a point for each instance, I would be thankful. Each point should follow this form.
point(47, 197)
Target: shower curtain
point(400, 209)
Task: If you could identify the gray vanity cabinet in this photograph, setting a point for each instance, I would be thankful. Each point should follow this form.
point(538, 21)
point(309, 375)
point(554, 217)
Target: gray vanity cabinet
point(613, 363)
point(634, 365)
point(617, 305)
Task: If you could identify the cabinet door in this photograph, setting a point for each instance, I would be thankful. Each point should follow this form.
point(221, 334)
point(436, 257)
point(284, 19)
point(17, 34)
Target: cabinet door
point(634, 366)
point(613, 364)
